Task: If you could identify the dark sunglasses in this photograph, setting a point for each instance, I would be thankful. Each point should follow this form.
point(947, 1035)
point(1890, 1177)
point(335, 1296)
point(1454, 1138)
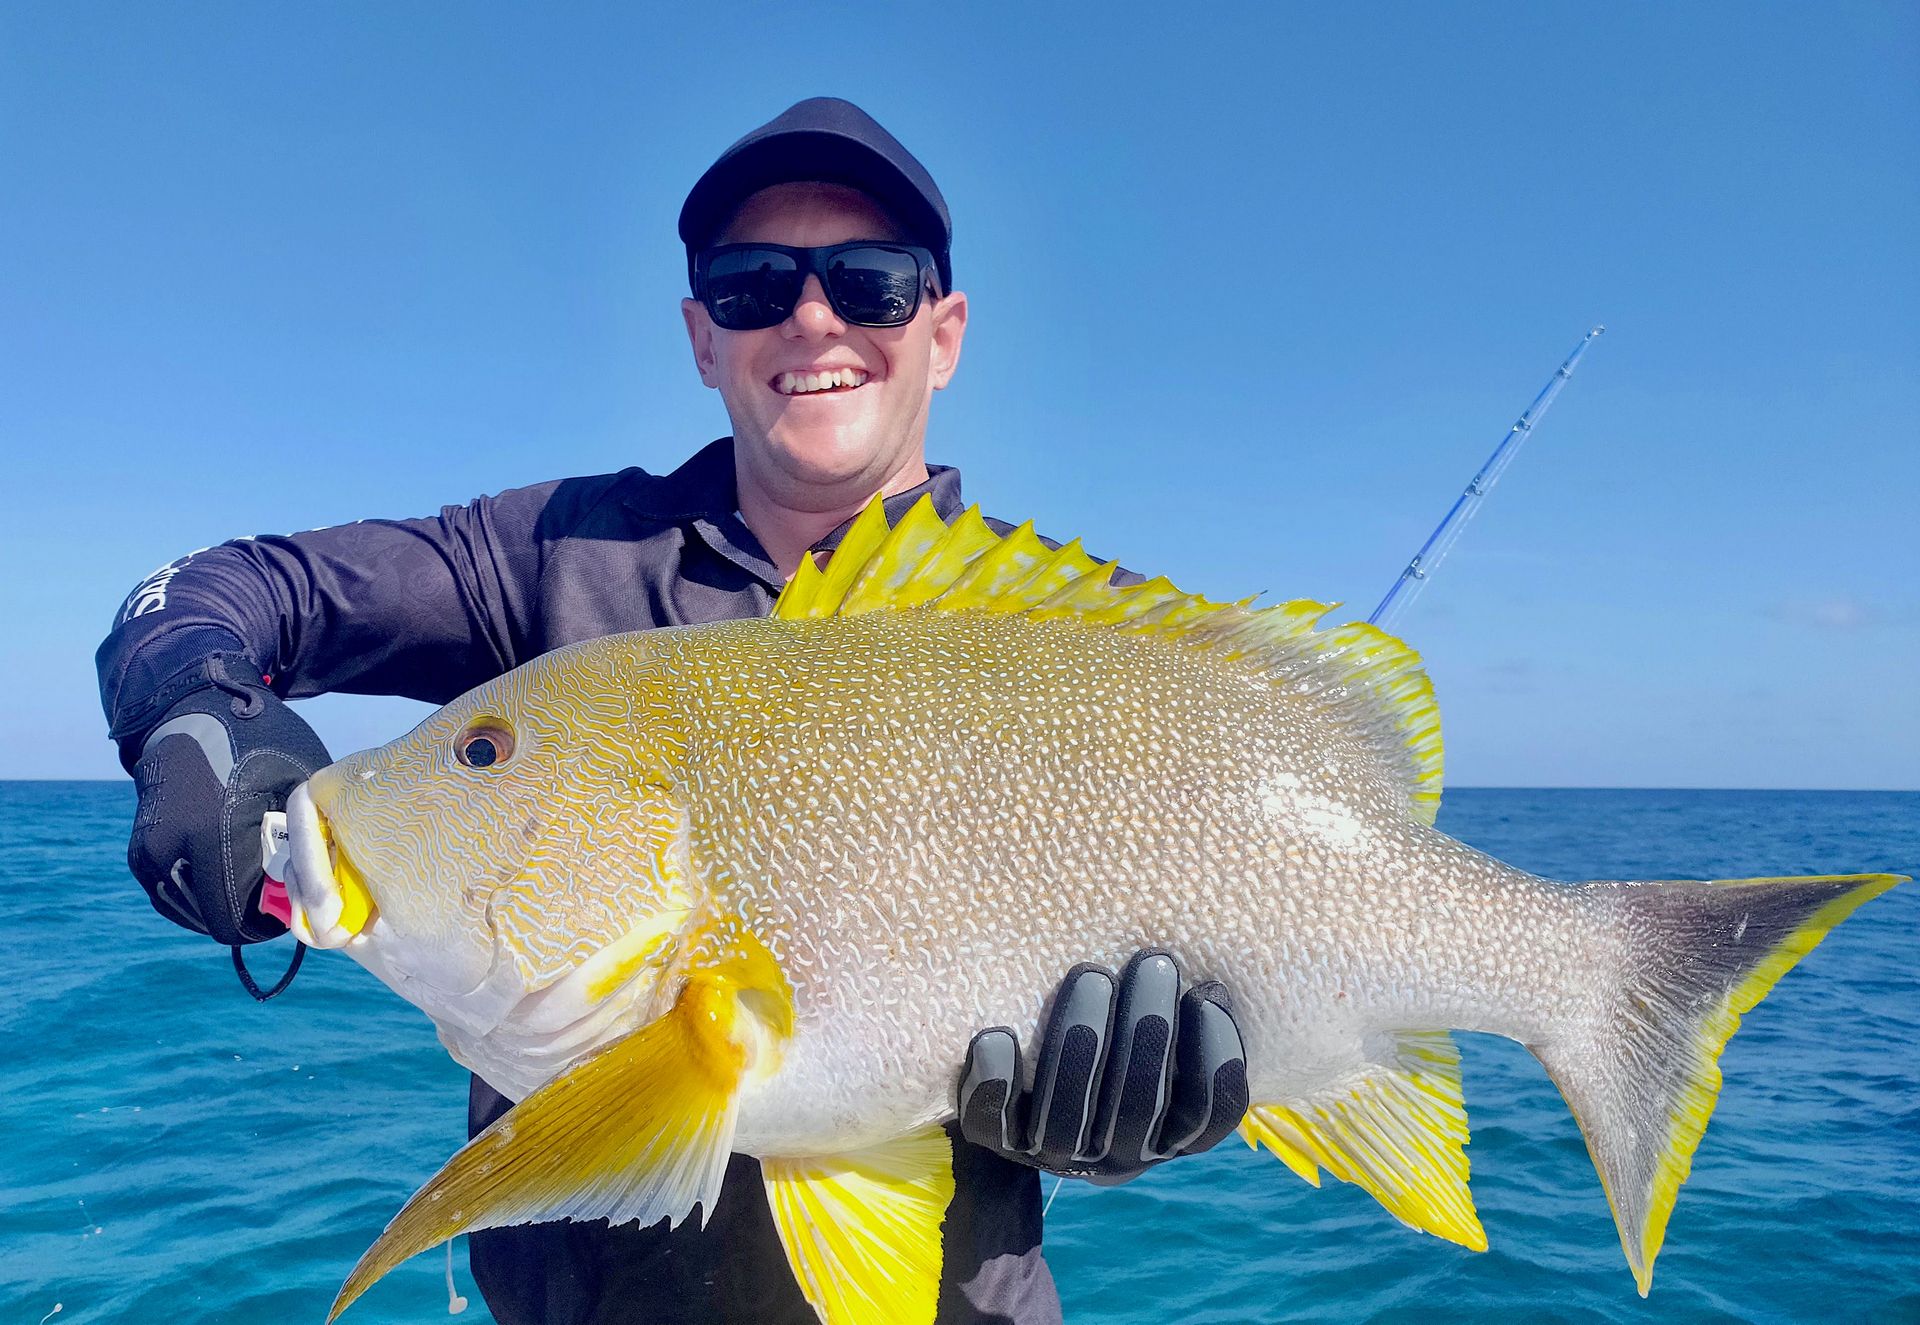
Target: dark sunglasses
point(747, 287)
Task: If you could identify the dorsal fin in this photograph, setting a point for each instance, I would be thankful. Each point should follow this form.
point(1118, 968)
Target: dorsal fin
point(1375, 682)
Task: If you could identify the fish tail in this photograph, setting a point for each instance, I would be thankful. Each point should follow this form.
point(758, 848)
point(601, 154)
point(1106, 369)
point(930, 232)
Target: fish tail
point(1643, 1075)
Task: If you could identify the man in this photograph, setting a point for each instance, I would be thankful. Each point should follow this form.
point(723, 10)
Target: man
point(824, 312)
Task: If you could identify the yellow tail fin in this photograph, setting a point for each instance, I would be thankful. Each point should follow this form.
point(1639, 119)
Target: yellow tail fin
point(1644, 1087)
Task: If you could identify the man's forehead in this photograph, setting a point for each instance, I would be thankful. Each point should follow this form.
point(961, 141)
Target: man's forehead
point(801, 212)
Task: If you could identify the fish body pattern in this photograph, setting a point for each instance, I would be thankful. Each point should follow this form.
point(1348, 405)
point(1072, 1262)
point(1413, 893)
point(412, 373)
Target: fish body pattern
point(988, 800)
point(755, 885)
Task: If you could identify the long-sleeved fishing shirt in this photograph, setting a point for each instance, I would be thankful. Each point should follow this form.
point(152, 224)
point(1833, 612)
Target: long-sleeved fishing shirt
point(429, 609)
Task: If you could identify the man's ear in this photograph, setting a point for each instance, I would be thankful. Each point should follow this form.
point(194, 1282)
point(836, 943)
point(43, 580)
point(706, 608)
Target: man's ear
point(949, 329)
point(700, 336)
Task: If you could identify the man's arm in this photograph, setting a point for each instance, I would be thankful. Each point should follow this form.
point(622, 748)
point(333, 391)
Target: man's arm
point(421, 608)
point(202, 651)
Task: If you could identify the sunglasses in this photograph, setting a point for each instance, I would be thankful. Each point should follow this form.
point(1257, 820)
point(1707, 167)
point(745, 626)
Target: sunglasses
point(747, 287)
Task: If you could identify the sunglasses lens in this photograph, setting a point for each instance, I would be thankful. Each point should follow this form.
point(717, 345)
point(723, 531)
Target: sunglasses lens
point(876, 287)
point(748, 289)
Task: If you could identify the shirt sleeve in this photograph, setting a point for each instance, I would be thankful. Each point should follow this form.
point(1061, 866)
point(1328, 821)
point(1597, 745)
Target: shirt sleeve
point(422, 608)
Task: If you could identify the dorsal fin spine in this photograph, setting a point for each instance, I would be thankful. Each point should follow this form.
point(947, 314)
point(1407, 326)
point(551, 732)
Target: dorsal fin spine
point(797, 601)
point(999, 567)
point(887, 579)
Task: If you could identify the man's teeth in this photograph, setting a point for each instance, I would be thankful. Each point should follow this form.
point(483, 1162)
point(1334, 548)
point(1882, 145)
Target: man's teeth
point(799, 384)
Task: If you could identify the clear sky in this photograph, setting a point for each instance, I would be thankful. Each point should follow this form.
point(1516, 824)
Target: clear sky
point(1254, 292)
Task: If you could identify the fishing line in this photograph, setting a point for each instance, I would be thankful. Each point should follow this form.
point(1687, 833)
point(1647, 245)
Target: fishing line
point(1058, 1182)
point(455, 1303)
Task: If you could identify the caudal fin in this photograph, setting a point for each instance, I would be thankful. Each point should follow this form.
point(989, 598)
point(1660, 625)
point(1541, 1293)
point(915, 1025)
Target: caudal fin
point(1642, 1081)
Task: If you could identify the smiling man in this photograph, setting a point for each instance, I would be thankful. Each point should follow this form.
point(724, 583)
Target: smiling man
point(829, 403)
point(824, 313)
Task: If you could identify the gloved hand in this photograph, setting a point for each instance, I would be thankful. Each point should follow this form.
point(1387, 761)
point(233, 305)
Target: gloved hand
point(213, 765)
point(1131, 1073)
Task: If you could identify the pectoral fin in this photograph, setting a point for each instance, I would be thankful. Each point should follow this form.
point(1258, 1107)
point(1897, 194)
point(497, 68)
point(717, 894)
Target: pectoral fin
point(862, 1230)
point(639, 1132)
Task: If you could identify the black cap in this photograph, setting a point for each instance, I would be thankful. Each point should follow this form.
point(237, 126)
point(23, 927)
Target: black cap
point(834, 141)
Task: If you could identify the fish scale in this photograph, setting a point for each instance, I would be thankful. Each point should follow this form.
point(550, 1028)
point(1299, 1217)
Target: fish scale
point(785, 869)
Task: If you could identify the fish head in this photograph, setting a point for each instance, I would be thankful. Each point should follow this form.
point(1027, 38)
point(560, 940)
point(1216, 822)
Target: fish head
point(514, 860)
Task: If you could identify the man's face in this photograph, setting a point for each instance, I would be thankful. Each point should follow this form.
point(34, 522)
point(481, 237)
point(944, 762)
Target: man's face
point(823, 450)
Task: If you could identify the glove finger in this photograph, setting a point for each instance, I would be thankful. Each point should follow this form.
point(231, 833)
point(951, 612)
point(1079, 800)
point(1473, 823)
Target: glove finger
point(1134, 1095)
point(1210, 1073)
point(1068, 1070)
point(989, 1092)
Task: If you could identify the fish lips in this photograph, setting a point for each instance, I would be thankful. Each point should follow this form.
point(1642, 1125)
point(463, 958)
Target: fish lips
point(323, 914)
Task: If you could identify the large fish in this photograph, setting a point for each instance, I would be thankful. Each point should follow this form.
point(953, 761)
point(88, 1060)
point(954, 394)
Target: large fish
point(753, 886)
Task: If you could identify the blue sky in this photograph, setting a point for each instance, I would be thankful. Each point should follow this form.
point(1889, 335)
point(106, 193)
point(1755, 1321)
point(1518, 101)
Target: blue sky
point(1253, 294)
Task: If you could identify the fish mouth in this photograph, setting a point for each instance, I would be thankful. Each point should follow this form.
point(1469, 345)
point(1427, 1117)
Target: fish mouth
point(329, 897)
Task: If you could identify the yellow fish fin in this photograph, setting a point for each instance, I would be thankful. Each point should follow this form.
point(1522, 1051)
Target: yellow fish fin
point(640, 1131)
point(824, 592)
point(1398, 1131)
point(862, 1229)
point(1374, 680)
point(1004, 563)
point(796, 601)
point(890, 579)
point(1643, 1083)
point(1376, 683)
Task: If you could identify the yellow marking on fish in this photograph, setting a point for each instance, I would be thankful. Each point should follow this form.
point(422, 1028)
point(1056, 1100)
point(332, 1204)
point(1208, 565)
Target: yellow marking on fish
point(356, 900)
point(613, 966)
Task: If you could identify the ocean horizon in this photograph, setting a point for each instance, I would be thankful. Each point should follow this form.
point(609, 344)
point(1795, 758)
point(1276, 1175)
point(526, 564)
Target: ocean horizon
point(178, 1152)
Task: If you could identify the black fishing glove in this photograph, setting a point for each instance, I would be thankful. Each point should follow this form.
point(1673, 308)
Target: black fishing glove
point(1131, 1073)
point(213, 765)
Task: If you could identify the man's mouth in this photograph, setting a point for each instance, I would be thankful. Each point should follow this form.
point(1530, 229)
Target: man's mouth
point(832, 379)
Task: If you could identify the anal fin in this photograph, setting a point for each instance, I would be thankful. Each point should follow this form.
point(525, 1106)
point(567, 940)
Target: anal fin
point(862, 1229)
point(1398, 1131)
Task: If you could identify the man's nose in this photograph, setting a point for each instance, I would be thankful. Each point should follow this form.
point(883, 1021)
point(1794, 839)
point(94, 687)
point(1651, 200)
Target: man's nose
point(813, 315)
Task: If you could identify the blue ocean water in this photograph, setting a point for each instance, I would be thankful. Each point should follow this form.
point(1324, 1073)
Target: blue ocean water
point(174, 1152)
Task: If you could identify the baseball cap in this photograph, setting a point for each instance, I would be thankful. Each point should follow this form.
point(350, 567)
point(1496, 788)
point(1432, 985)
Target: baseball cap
point(834, 141)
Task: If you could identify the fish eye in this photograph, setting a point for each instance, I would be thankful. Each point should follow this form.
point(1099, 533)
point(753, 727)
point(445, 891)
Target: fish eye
point(485, 743)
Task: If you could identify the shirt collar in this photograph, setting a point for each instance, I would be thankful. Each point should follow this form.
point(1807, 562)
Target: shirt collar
point(702, 493)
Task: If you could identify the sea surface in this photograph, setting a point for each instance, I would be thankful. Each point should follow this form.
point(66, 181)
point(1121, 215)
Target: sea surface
point(174, 1152)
